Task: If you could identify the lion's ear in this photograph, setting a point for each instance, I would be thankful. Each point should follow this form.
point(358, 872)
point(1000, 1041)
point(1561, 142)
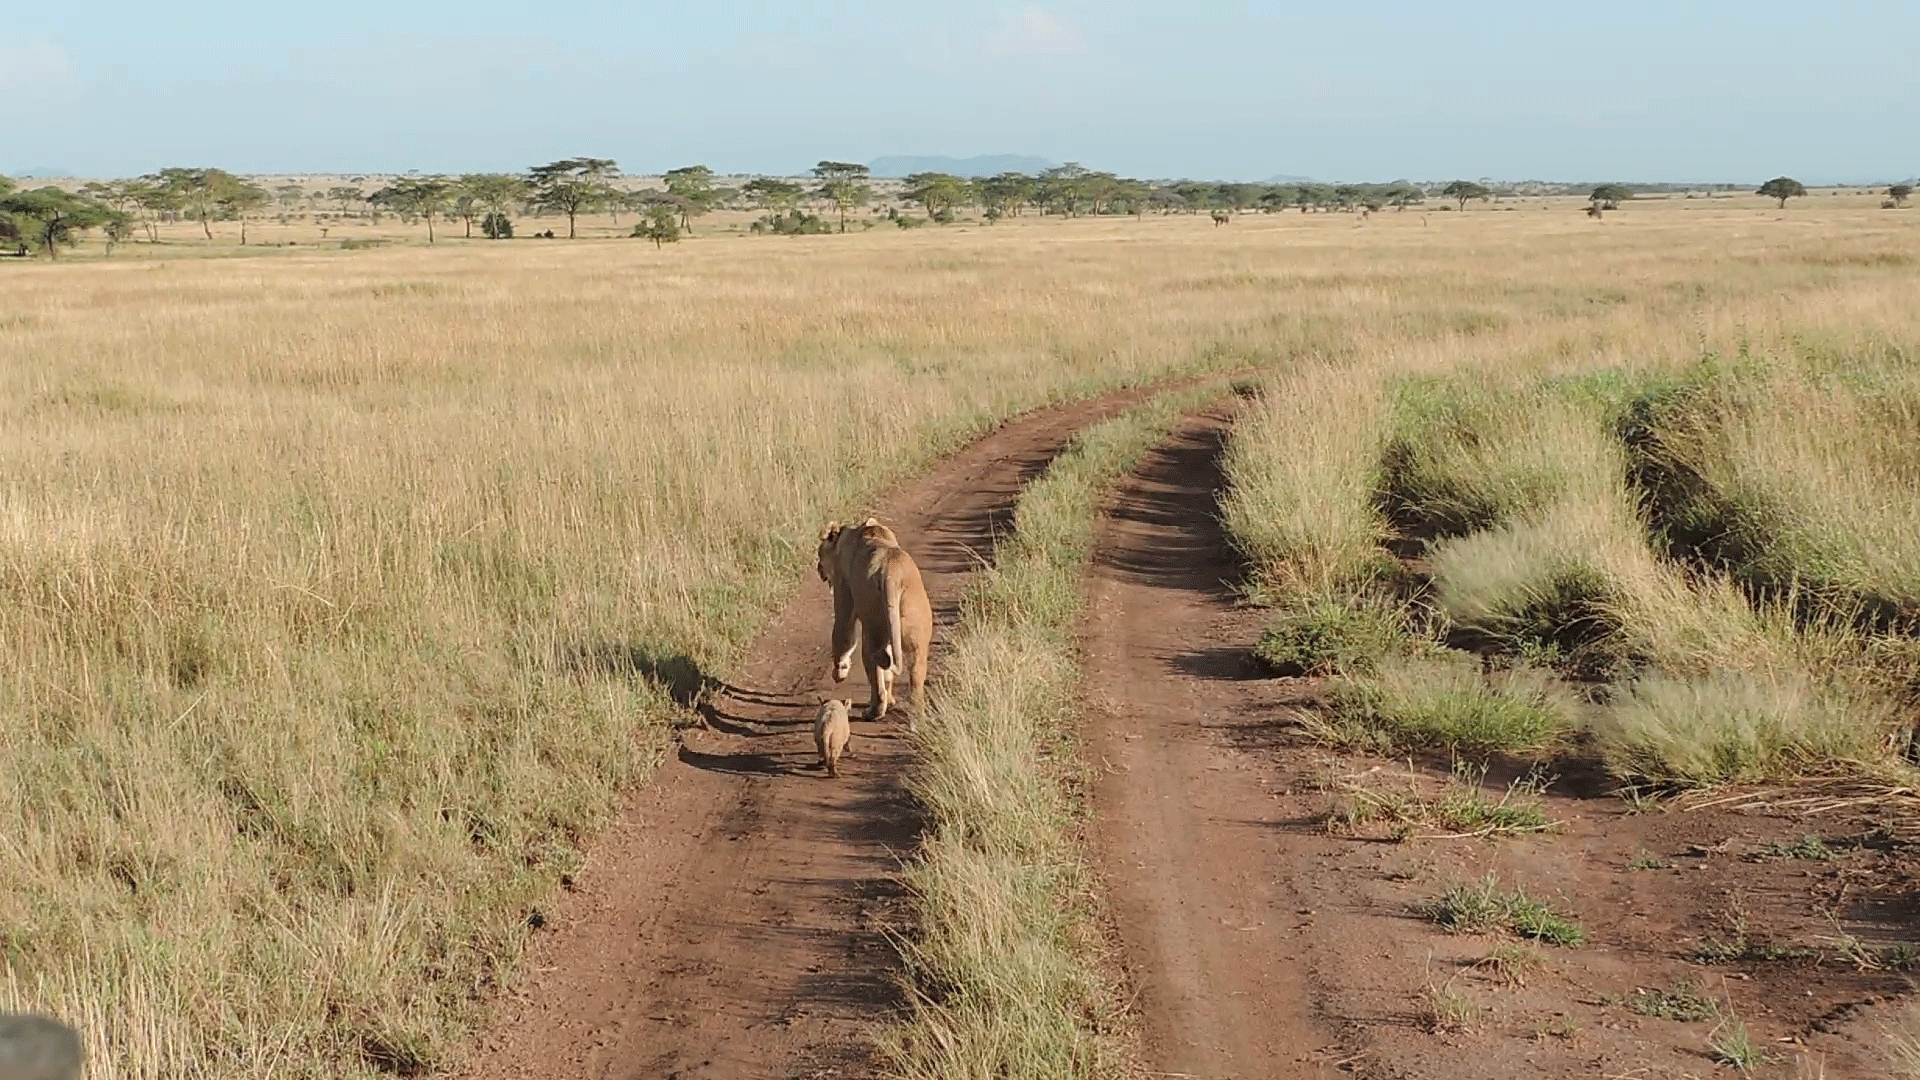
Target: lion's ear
point(832, 530)
point(870, 522)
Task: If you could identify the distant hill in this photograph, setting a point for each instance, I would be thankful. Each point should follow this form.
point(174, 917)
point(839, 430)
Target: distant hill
point(981, 165)
point(1283, 178)
point(41, 172)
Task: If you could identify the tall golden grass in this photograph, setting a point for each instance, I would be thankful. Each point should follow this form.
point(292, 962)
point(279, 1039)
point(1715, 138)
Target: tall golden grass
point(1703, 492)
point(338, 589)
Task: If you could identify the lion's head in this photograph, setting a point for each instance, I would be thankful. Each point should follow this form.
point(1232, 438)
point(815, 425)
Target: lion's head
point(825, 553)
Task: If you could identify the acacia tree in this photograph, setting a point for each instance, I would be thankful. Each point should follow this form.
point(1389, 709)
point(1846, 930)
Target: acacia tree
point(663, 222)
point(1610, 196)
point(1900, 193)
point(771, 193)
point(1782, 188)
point(844, 185)
point(49, 217)
point(1464, 190)
point(479, 195)
point(209, 193)
point(936, 191)
point(692, 186)
point(1007, 192)
point(422, 195)
point(572, 186)
point(239, 200)
point(1063, 186)
point(344, 195)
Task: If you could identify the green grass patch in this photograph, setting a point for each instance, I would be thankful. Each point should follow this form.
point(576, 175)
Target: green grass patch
point(1445, 702)
point(1483, 907)
point(1333, 632)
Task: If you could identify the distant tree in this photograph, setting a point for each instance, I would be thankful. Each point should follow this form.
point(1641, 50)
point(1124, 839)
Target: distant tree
point(1007, 192)
point(1464, 190)
point(155, 203)
point(1131, 196)
point(693, 187)
point(572, 186)
point(769, 193)
point(49, 217)
point(1782, 188)
point(204, 194)
point(290, 196)
point(239, 200)
point(499, 193)
point(345, 196)
point(1610, 196)
point(937, 191)
point(1064, 187)
point(1401, 196)
point(662, 224)
point(1900, 193)
point(844, 185)
point(424, 196)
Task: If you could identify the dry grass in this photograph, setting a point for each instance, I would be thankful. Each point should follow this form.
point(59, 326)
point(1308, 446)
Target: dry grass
point(340, 591)
point(1731, 541)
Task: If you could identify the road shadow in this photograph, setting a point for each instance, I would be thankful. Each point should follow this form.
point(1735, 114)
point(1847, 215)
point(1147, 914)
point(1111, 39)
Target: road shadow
point(1176, 493)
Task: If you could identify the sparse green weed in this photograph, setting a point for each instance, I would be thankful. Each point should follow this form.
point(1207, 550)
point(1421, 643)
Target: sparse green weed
point(1510, 964)
point(1684, 1001)
point(1483, 906)
point(1647, 860)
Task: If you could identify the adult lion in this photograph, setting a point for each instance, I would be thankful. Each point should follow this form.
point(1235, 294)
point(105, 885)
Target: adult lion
point(876, 584)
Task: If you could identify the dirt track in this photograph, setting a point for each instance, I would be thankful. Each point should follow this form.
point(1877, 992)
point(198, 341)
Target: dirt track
point(732, 924)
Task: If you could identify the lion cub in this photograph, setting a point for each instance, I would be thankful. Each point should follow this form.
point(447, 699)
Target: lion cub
point(832, 735)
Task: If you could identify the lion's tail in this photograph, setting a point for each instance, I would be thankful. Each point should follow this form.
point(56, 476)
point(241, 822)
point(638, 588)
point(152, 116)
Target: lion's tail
point(892, 655)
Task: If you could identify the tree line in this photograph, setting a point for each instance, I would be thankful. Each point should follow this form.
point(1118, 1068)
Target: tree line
point(49, 218)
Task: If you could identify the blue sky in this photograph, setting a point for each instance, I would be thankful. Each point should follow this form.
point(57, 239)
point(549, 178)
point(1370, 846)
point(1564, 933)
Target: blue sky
point(1642, 90)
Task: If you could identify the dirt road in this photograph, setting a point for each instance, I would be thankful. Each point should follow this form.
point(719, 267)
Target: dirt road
point(1186, 838)
point(732, 924)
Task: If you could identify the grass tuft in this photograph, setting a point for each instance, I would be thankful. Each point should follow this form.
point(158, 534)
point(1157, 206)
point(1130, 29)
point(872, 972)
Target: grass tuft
point(1483, 906)
point(1463, 808)
point(1445, 703)
point(1683, 1001)
point(1333, 633)
point(1741, 727)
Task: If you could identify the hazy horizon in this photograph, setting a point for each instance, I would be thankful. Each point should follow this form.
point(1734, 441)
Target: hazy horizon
point(1716, 93)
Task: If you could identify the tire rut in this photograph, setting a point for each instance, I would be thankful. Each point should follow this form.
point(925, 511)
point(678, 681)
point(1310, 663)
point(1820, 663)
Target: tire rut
point(733, 923)
point(1187, 841)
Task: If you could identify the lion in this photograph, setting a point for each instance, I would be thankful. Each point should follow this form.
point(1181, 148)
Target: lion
point(831, 735)
point(876, 584)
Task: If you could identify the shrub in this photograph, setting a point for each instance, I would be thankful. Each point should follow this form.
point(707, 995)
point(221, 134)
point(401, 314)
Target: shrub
point(794, 222)
point(497, 226)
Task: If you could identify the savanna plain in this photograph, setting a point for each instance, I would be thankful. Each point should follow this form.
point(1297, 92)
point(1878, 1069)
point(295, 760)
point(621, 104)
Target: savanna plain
point(345, 594)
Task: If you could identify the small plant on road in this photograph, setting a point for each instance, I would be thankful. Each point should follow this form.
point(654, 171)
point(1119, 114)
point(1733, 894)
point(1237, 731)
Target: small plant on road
point(1483, 906)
